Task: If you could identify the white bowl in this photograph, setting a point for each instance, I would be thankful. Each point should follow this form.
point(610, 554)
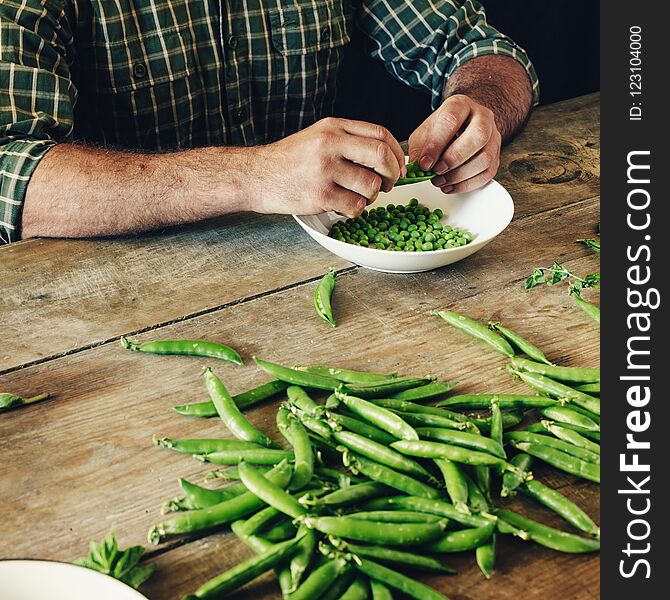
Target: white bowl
point(485, 213)
point(47, 580)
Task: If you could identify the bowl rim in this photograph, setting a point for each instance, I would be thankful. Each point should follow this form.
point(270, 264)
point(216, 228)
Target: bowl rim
point(475, 243)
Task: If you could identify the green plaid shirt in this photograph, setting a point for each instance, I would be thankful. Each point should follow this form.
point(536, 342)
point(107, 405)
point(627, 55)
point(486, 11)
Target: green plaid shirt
point(168, 74)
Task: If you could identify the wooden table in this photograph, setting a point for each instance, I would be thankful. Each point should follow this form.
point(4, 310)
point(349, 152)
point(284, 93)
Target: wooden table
point(82, 462)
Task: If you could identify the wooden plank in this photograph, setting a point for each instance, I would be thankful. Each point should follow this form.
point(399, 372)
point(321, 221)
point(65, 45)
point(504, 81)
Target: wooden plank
point(556, 160)
point(62, 295)
point(84, 462)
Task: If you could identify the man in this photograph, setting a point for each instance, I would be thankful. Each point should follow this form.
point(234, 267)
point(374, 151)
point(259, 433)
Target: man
point(121, 116)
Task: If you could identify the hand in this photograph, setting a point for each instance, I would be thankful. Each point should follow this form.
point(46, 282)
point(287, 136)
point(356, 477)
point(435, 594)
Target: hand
point(336, 164)
point(460, 142)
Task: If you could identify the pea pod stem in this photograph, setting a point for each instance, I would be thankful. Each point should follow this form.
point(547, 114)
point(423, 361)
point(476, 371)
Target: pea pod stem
point(230, 414)
point(8, 401)
point(476, 330)
point(322, 297)
point(185, 348)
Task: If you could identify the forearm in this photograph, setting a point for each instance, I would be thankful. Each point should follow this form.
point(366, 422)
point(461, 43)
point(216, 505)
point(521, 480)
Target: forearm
point(499, 83)
point(83, 191)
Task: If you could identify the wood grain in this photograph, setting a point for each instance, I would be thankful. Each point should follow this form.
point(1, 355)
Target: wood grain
point(83, 461)
point(61, 295)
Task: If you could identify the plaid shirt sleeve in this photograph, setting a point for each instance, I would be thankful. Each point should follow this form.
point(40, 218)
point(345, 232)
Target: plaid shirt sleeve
point(36, 96)
point(422, 43)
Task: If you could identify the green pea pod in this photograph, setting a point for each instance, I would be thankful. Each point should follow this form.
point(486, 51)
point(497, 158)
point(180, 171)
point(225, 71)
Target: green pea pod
point(361, 428)
point(483, 401)
point(378, 416)
point(561, 460)
point(297, 377)
point(322, 297)
point(559, 390)
point(264, 456)
point(218, 514)
point(398, 581)
point(8, 401)
point(381, 453)
point(548, 536)
point(230, 414)
point(479, 491)
point(245, 571)
point(462, 540)
point(300, 398)
point(462, 438)
point(513, 479)
point(520, 343)
point(380, 591)
point(426, 449)
point(280, 532)
point(566, 415)
point(320, 579)
point(455, 483)
point(204, 445)
point(401, 558)
point(509, 420)
point(346, 375)
point(430, 506)
point(271, 494)
point(353, 494)
point(185, 348)
point(243, 400)
point(570, 436)
point(476, 330)
point(303, 555)
point(384, 389)
point(394, 534)
point(485, 556)
point(428, 420)
point(387, 476)
point(590, 309)
point(415, 175)
point(358, 590)
point(563, 507)
point(425, 392)
point(395, 516)
point(296, 435)
point(515, 437)
point(200, 497)
point(262, 519)
point(566, 374)
point(589, 388)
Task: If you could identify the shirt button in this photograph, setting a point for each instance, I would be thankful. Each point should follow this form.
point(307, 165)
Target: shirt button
point(139, 70)
point(232, 42)
point(325, 33)
point(241, 112)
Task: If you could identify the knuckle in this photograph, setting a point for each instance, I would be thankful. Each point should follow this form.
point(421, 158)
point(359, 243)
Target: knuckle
point(329, 122)
point(448, 120)
point(383, 152)
point(481, 133)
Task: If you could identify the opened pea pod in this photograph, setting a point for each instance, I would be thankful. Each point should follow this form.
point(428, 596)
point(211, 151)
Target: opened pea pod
point(323, 295)
point(415, 175)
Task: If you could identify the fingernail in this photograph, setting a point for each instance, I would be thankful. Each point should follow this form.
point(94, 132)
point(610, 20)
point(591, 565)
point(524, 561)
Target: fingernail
point(425, 162)
point(447, 189)
point(438, 181)
point(440, 167)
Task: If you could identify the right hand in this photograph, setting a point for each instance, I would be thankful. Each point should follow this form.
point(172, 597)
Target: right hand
point(334, 165)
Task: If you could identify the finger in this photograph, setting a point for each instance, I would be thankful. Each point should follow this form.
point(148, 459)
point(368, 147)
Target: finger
point(487, 157)
point(374, 154)
point(471, 184)
point(477, 134)
point(345, 202)
point(443, 127)
point(377, 132)
point(358, 179)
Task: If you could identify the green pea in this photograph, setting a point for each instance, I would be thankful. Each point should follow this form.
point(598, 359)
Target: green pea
point(429, 237)
point(413, 202)
point(415, 234)
point(427, 246)
point(421, 217)
point(438, 213)
point(437, 226)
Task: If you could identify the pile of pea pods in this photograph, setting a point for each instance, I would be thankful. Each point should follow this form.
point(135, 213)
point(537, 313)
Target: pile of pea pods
point(381, 476)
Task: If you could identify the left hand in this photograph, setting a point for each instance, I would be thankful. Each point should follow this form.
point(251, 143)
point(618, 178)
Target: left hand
point(460, 142)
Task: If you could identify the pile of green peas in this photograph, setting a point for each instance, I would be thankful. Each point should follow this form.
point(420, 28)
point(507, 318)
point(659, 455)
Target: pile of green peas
point(411, 228)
